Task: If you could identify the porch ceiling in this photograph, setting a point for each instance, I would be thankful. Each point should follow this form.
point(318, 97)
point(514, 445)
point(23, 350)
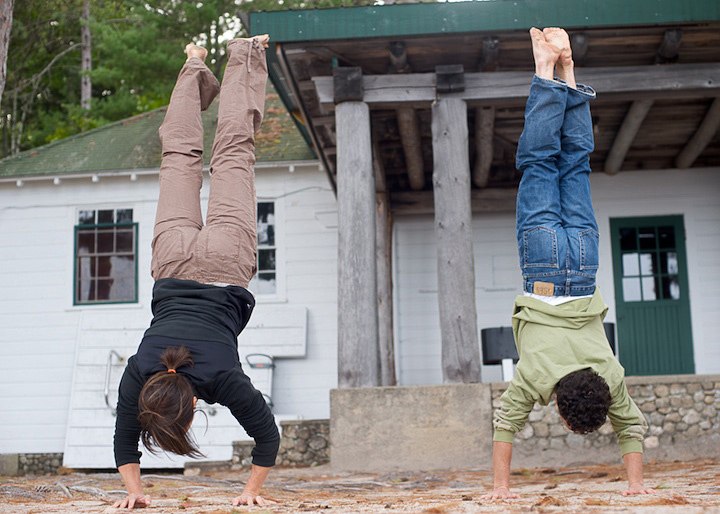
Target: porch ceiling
point(665, 127)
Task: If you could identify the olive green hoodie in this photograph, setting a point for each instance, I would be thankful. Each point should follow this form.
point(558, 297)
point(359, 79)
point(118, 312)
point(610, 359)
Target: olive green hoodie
point(553, 341)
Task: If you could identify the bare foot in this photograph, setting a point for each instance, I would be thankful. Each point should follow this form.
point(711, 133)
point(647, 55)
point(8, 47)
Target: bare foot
point(195, 51)
point(565, 67)
point(546, 55)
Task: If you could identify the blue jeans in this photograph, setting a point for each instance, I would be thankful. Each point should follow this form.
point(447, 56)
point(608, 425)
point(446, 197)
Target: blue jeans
point(556, 228)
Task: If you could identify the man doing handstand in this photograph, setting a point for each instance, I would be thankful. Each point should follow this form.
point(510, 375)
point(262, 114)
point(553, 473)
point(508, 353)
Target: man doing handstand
point(558, 322)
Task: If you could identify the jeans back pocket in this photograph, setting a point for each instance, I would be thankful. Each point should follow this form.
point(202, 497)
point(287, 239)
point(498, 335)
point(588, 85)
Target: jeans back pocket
point(589, 249)
point(540, 248)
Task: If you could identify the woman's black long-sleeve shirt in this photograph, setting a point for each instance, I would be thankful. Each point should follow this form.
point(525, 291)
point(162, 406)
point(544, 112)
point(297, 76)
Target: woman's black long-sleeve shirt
point(207, 320)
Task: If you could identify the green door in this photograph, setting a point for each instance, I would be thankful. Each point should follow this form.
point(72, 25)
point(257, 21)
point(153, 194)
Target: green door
point(651, 295)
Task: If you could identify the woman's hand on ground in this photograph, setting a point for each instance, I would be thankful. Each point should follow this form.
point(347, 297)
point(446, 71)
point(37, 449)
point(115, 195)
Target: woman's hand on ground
point(638, 489)
point(251, 499)
point(499, 493)
point(133, 501)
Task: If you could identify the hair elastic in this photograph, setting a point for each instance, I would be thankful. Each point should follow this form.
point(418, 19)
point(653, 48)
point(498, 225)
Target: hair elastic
point(170, 370)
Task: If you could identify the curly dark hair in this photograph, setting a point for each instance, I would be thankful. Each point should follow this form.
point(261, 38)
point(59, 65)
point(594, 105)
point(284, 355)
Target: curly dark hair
point(583, 399)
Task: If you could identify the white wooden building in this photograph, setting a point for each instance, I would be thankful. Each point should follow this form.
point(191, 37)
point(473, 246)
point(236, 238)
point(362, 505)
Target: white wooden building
point(56, 337)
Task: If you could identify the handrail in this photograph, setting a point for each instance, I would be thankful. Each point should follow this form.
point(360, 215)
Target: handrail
point(108, 369)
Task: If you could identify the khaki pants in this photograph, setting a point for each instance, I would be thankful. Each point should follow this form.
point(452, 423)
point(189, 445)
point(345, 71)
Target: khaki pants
point(225, 248)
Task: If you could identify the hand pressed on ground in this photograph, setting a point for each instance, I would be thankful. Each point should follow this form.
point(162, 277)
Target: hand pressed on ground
point(252, 499)
point(133, 501)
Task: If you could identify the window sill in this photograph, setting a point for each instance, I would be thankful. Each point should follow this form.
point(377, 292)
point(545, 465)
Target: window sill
point(106, 306)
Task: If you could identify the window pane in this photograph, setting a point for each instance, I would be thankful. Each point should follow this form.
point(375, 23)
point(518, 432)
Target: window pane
point(123, 266)
point(86, 218)
point(266, 260)
point(649, 285)
point(85, 241)
point(106, 216)
point(668, 263)
point(630, 264)
point(266, 234)
point(266, 283)
point(103, 288)
point(104, 269)
point(124, 216)
point(648, 264)
point(631, 290)
point(266, 212)
point(124, 240)
point(628, 239)
point(671, 288)
point(122, 289)
point(105, 241)
point(666, 236)
point(647, 238)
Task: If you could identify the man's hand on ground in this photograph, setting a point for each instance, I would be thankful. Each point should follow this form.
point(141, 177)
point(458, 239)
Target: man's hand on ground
point(251, 499)
point(133, 501)
point(499, 493)
point(638, 489)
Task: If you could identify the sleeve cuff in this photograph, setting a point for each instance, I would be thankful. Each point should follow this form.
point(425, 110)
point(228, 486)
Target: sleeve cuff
point(632, 446)
point(504, 436)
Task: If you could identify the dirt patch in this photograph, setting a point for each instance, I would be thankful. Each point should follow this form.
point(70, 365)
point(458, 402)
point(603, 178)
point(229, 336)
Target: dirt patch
point(689, 487)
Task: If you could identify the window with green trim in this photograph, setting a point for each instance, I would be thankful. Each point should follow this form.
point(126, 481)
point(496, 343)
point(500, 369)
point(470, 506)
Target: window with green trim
point(105, 257)
point(265, 282)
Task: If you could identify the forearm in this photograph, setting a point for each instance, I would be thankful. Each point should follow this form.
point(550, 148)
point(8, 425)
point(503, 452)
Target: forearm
point(258, 474)
point(633, 466)
point(502, 456)
point(131, 476)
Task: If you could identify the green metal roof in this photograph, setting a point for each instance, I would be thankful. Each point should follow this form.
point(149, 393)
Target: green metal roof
point(483, 15)
point(134, 144)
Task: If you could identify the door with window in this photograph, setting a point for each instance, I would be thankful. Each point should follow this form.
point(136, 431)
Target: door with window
point(651, 295)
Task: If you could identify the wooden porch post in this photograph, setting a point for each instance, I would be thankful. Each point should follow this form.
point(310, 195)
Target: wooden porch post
point(357, 291)
point(456, 273)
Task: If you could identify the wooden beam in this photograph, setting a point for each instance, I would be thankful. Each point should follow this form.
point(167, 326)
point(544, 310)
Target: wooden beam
point(625, 136)
point(383, 257)
point(491, 200)
point(357, 291)
point(409, 127)
point(669, 47)
point(702, 137)
point(484, 135)
point(492, 88)
point(456, 273)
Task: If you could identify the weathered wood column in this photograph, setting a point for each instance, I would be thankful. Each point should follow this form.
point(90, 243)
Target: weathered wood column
point(357, 290)
point(456, 271)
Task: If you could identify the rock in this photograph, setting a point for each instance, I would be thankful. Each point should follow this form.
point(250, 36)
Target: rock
point(674, 417)
point(675, 401)
point(651, 442)
point(693, 431)
point(606, 429)
point(656, 430)
point(301, 445)
point(705, 425)
point(303, 432)
point(648, 407)
point(527, 432)
point(656, 419)
point(542, 443)
point(541, 429)
point(694, 388)
point(709, 399)
point(681, 427)
point(692, 417)
point(55, 463)
point(535, 415)
point(665, 410)
point(669, 428)
point(574, 441)
point(699, 396)
point(662, 390)
point(677, 389)
point(687, 402)
point(662, 402)
point(191, 472)
point(557, 430)
point(557, 443)
point(318, 443)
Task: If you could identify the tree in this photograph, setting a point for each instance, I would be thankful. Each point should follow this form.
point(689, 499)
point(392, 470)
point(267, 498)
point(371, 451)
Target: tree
point(6, 17)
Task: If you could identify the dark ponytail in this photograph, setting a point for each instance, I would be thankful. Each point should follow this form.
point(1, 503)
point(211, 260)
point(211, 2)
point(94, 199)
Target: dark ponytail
point(166, 406)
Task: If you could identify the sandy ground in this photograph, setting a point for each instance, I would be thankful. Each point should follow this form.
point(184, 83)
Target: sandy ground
point(683, 487)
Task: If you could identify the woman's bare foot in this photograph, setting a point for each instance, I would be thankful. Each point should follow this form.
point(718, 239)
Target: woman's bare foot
point(546, 55)
point(565, 67)
point(195, 51)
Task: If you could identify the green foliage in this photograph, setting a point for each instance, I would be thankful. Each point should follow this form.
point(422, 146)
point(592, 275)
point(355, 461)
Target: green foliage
point(137, 51)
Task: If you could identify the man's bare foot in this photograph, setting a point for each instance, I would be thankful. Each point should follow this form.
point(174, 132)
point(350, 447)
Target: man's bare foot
point(546, 55)
point(565, 67)
point(195, 51)
point(263, 39)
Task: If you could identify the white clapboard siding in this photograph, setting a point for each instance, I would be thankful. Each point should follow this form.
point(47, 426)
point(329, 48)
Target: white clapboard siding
point(275, 330)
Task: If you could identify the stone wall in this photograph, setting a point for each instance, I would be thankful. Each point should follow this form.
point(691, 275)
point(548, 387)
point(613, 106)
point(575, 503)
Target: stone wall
point(303, 443)
point(682, 411)
point(30, 463)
